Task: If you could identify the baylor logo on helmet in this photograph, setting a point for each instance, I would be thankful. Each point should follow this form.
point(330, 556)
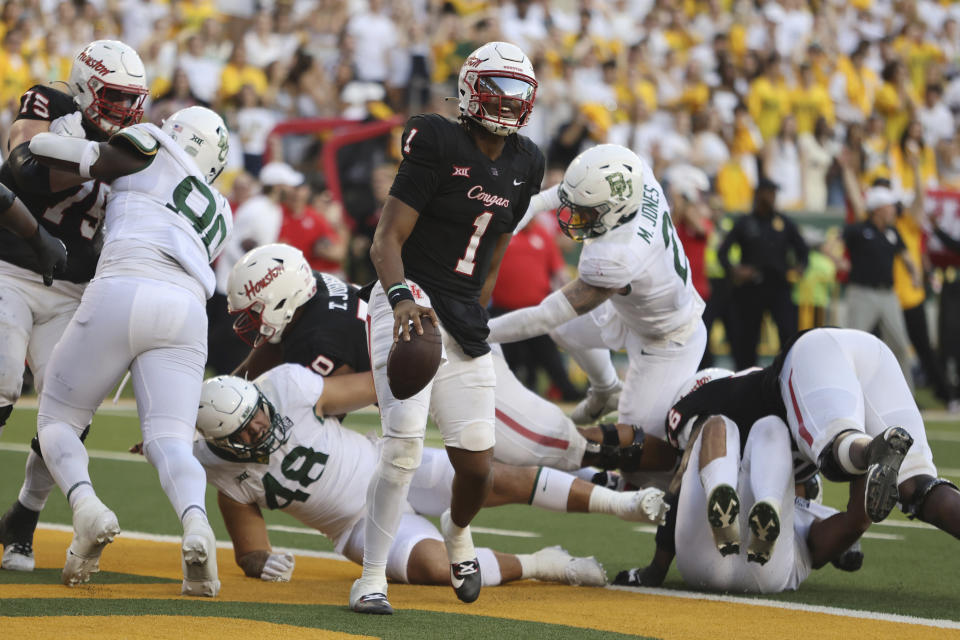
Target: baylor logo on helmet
point(620, 187)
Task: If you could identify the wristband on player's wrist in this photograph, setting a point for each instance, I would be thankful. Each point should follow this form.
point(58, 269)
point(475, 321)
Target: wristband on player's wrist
point(398, 292)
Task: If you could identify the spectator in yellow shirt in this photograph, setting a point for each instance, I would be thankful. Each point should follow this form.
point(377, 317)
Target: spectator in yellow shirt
point(919, 54)
point(14, 70)
point(769, 98)
point(733, 185)
point(896, 100)
point(237, 73)
point(911, 147)
point(809, 100)
point(853, 85)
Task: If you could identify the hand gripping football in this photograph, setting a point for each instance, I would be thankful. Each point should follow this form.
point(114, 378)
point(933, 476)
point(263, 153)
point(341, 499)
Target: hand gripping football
point(412, 365)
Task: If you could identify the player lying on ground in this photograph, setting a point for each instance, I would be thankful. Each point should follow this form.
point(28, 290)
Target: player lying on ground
point(267, 446)
point(144, 311)
point(850, 413)
point(633, 290)
point(726, 499)
point(289, 314)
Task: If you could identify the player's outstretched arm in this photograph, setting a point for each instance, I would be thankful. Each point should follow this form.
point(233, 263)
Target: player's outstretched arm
point(101, 160)
point(574, 299)
point(251, 545)
point(396, 224)
point(830, 537)
point(346, 393)
point(260, 360)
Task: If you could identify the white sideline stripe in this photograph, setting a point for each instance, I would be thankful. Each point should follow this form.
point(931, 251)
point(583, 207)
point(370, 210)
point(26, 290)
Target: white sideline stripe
point(795, 606)
point(505, 532)
point(153, 537)
point(943, 436)
point(93, 453)
point(906, 524)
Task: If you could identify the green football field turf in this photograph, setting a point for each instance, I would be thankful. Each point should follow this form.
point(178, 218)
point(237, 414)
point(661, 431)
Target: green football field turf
point(909, 568)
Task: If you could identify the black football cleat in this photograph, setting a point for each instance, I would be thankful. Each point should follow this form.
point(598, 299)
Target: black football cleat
point(364, 600)
point(885, 454)
point(764, 521)
point(723, 509)
point(465, 579)
point(851, 559)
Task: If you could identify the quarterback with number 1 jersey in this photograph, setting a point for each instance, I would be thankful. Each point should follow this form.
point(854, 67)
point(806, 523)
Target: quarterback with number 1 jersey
point(144, 310)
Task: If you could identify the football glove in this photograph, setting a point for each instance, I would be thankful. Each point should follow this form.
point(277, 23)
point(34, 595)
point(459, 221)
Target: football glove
point(70, 125)
point(51, 253)
point(278, 568)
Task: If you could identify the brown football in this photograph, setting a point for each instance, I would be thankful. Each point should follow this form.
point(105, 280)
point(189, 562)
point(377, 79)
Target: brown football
point(412, 365)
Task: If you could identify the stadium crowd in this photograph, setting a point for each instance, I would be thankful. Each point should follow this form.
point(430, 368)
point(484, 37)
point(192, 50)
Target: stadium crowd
point(822, 98)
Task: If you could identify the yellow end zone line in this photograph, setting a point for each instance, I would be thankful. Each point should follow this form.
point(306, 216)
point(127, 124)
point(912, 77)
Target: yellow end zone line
point(321, 579)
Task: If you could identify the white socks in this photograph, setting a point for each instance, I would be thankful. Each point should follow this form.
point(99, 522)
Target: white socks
point(723, 470)
point(37, 483)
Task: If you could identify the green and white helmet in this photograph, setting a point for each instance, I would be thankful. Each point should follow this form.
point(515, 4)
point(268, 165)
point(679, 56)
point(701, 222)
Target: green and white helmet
point(227, 405)
point(203, 135)
point(601, 189)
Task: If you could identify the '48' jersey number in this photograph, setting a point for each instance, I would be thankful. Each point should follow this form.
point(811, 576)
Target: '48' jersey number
point(300, 466)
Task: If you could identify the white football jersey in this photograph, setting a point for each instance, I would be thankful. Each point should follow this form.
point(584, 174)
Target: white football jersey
point(165, 211)
point(645, 255)
point(319, 475)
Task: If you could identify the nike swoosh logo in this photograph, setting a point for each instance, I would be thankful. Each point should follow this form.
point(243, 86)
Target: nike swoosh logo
point(517, 184)
point(456, 582)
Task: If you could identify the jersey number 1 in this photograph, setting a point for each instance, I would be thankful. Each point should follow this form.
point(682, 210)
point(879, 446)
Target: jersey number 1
point(466, 264)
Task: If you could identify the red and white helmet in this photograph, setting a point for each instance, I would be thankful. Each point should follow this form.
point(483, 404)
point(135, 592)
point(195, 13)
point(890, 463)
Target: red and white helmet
point(497, 87)
point(109, 85)
point(264, 290)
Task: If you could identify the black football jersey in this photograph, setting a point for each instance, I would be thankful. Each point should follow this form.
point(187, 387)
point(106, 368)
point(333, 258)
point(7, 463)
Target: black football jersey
point(73, 215)
point(466, 202)
point(332, 330)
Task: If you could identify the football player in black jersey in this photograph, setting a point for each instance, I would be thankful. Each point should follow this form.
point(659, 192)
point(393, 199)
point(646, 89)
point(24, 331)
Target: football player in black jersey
point(459, 193)
point(105, 92)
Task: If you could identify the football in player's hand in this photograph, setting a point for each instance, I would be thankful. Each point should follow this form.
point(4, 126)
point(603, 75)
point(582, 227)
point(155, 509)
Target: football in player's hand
point(412, 365)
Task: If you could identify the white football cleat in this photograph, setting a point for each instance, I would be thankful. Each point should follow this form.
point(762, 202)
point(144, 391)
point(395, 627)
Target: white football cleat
point(18, 557)
point(555, 564)
point(370, 598)
point(199, 559)
point(597, 404)
point(94, 527)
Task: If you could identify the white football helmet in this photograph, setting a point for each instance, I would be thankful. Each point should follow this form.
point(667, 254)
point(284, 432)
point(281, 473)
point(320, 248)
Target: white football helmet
point(264, 290)
point(109, 84)
point(227, 406)
point(497, 87)
point(601, 189)
point(203, 135)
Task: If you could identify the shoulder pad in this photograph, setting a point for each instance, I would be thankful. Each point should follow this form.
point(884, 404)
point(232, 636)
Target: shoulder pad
point(135, 137)
point(422, 139)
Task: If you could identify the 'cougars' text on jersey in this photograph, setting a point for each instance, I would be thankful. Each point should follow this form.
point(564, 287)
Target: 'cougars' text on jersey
point(73, 215)
point(466, 202)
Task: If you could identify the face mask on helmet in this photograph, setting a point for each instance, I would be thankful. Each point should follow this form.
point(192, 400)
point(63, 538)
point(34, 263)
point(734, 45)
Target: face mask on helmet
point(580, 222)
point(116, 106)
point(505, 100)
point(251, 327)
point(263, 432)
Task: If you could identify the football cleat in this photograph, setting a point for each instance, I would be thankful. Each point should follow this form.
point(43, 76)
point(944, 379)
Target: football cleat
point(464, 566)
point(597, 404)
point(885, 454)
point(764, 521)
point(373, 602)
point(723, 507)
point(94, 527)
point(199, 559)
point(851, 559)
point(609, 479)
point(16, 536)
point(555, 564)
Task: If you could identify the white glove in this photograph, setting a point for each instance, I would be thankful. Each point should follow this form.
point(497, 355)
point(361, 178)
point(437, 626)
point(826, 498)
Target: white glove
point(277, 568)
point(648, 505)
point(70, 125)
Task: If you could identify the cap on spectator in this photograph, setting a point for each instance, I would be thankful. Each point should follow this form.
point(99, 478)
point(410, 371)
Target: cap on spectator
point(280, 173)
point(877, 197)
point(766, 183)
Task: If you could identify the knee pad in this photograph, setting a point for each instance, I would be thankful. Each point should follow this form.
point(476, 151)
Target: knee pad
point(914, 508)
point(609, 453)
point(829, 466)
point(476, 436)
point(400, 458)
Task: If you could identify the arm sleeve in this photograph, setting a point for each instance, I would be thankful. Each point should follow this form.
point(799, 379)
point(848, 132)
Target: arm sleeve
point(418, 177)
point(546, 200)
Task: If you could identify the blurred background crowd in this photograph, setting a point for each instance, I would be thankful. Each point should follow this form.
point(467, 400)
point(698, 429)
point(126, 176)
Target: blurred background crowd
point(790, 135)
